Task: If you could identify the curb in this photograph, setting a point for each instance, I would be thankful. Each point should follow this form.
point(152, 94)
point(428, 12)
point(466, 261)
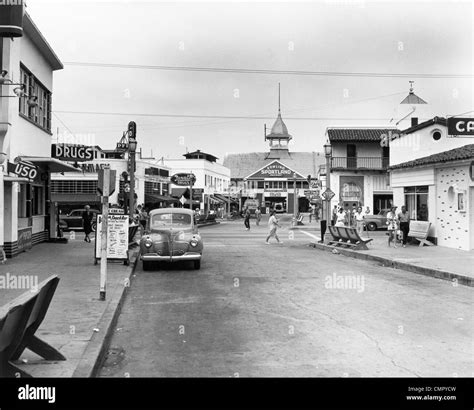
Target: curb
point(421, 270)
point(96, 350)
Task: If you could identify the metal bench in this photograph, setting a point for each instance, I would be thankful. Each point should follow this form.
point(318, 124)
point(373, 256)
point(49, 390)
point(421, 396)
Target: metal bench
point(347, 238)
point(419, 231)
point(19, 321)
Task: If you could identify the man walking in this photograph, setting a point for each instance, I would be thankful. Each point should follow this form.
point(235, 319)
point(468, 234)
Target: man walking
point(87, 217)
point(404, 219)
point(359, 220)
point(247, 218)
point(273, 225)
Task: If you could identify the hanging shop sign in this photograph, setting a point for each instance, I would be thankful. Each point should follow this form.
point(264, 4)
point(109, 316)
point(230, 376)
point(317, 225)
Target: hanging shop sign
point(23, 169)
point(72, 152)
point(183, 179)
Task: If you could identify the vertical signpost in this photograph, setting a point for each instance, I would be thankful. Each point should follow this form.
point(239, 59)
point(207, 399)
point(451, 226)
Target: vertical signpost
point(105, 188)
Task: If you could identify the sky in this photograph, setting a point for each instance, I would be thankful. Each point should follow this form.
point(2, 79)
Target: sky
point(179, 110)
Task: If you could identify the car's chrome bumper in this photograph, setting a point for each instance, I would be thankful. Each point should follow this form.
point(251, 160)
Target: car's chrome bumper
point(189, 256)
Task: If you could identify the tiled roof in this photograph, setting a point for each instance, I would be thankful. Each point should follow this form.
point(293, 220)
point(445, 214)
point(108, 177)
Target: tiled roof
point(359, 134)
point(435, 120)
point(456, 154)
point(244, 164)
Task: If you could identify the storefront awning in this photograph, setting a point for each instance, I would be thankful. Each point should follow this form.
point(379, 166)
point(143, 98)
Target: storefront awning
point(225, 198)
point(8, 178)
point(52, 164)
point(178, 192)
point(159, 198)
point(215, 199)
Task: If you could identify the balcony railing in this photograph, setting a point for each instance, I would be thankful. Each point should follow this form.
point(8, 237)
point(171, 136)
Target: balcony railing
point(360, 163)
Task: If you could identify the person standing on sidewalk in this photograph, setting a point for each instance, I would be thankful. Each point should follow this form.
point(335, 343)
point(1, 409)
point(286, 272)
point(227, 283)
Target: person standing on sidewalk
point(404, 219)
point(247, 218)
point(258, 215)
point(87, 217)
point(340, 218)
point(392, 226)
point(273, 225)
point(359, 220)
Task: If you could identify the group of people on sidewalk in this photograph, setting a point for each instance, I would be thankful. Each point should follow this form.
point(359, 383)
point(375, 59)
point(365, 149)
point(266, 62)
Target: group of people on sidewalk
point(398, 225)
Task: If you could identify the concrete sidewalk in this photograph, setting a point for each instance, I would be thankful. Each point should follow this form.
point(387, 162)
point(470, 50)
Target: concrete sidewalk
point(437, 261)
point(76, 315)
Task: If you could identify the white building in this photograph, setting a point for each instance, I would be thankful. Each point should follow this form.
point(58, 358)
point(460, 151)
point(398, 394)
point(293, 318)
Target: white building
point(211, 177)
point(432, 175)
point(27, 65)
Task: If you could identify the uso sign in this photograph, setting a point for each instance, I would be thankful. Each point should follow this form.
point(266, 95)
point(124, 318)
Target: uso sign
point(71, 152)
point(11, 18)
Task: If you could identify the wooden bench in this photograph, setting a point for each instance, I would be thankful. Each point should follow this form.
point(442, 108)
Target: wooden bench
point(19, 321)
point(419, 231)
point(347, 238)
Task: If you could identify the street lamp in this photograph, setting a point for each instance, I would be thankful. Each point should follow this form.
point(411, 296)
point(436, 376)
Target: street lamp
point(328, 154)
point(294, 200)
point(132, 146)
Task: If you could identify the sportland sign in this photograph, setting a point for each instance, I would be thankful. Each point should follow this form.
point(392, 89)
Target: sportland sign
point(275, 170)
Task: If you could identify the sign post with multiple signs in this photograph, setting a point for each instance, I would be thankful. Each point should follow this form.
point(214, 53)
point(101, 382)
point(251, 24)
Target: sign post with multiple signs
point(185, 179)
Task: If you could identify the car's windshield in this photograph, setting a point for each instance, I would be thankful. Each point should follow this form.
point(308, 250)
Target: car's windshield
point(162, 220)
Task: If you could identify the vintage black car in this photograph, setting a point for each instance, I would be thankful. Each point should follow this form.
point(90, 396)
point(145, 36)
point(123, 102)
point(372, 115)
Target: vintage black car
point(171, 235)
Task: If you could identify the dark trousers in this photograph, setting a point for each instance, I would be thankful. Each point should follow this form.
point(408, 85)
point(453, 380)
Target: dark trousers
point(247, 223)
point(405, 227)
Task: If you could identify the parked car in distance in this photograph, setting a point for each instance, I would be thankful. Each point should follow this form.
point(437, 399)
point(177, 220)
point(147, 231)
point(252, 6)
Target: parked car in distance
point(73, 220)
point(171, 235)
point(374, 222)
point(279, 208)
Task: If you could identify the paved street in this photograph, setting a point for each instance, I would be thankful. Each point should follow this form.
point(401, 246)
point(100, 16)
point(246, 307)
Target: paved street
point(289, 310)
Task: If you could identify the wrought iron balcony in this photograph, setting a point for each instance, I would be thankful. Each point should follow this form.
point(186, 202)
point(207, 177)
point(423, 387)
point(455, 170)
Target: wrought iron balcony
point(372, 163)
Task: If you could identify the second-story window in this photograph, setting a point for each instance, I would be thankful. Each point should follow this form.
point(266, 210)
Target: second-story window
point(40, 114)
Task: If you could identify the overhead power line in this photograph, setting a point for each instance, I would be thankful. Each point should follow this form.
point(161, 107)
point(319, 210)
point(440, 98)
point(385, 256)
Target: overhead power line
point(266, 71)
point(233, 117)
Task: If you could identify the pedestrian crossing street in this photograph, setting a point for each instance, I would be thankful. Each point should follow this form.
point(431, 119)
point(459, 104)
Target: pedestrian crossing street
point(233, 234)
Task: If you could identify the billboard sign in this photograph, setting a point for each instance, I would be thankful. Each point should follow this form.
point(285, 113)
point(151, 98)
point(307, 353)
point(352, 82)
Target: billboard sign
point(460, 126)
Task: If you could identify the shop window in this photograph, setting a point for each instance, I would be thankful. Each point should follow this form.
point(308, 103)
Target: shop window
point(37, 200)
point(416, 201)
point(23, 199)
point(260, 184)
point(40, 114)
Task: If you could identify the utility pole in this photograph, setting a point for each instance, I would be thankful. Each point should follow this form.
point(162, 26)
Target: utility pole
point(103, 233)
point(132, 146)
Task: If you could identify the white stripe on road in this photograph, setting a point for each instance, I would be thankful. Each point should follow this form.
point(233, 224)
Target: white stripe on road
point(311, 235)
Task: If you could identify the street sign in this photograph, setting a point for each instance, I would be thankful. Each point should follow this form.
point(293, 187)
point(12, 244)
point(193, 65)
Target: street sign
point(314, 184)
point(101, 183)
point(460, 126)
point(122, 146)
point(182, 200)
point(328, 194)
point(183, 179)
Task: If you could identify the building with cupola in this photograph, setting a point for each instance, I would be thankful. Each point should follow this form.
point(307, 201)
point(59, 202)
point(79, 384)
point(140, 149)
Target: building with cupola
point(274, 176)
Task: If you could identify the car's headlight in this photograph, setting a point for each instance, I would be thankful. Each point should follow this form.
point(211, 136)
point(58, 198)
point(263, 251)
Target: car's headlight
point(193, 243)
point(148, 242)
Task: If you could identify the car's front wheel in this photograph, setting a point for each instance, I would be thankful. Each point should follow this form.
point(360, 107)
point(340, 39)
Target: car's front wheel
point(197, 265)
point(372, 226)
